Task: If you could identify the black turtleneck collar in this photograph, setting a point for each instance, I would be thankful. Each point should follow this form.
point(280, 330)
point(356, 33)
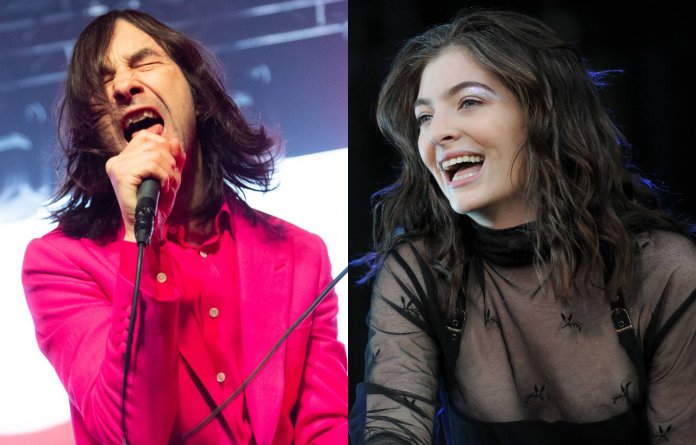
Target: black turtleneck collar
point(505, 247)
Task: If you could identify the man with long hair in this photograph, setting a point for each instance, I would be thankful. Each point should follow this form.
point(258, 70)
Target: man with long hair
point(220, 281)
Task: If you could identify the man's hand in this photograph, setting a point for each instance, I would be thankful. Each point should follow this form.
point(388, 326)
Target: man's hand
point(147, 155)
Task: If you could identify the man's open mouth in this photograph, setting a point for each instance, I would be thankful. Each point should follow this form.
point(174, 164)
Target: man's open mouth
point(461, 167)
point(139, 120)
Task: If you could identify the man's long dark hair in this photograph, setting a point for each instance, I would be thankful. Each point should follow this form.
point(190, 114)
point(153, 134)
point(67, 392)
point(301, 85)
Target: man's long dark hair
point(587, 204)
point(236, 155)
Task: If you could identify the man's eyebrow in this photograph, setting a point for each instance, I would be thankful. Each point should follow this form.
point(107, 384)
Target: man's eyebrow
point(457, 88)
point(142, 54)
point(132, 59)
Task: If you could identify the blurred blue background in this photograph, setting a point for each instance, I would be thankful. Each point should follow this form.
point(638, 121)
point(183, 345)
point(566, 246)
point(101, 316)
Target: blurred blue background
point(286, 62)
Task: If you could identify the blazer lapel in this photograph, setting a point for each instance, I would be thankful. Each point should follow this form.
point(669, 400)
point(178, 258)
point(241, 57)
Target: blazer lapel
point(265, 279)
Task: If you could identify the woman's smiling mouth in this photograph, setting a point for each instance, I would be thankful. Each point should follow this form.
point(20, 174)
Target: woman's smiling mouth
point(461, 167)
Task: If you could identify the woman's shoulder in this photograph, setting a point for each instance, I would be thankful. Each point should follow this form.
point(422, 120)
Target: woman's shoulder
point(667, 251)
point(407, 261)
point(410, 253)
point(410, 248)
point(665, 276)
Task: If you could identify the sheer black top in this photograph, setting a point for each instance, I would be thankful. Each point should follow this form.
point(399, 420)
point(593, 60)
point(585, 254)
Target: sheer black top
point(518, 367)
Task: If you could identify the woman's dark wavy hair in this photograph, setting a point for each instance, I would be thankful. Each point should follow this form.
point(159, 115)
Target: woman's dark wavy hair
point(588, 206)
point(236, 156)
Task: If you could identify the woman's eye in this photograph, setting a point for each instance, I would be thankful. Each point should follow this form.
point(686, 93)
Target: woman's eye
point(468, 102)
point(423, 118)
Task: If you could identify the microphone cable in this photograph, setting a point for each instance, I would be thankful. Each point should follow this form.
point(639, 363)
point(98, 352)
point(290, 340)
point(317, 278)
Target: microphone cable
point(129, 340)
point(145, 211)
point(214, 413)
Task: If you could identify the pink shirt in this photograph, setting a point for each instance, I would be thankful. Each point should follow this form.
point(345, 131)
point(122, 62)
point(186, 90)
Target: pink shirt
point(208, 277)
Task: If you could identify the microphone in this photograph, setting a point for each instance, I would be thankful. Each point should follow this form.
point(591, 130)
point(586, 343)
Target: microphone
point(145, 209)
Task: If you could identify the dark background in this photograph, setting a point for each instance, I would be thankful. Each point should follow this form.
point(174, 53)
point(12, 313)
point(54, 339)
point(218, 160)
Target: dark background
point(652, 101)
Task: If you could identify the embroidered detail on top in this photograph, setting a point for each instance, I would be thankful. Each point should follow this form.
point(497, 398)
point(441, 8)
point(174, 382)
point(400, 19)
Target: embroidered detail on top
point(410, 308)
point(570, 323)
point(410, 403)
point(370, 431)
point(623, 395)
point(662, 434)
point(490, 319)
point(537, 394)
point(373, 360)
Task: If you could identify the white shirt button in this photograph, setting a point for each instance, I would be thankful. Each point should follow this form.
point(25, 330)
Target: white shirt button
point(220, 377)
point(203, 254)
point(161, 277)
point(214, 312)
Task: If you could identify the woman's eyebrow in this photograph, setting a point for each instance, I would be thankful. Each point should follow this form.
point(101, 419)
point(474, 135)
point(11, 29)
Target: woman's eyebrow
point(470, 84)
point(456, 89)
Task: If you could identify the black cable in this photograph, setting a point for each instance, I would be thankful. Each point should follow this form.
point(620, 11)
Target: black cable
point(145, 210)
point(129, 340)
point(270, 353)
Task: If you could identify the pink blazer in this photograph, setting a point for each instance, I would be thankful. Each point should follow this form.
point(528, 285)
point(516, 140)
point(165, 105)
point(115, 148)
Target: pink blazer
point(79, 297)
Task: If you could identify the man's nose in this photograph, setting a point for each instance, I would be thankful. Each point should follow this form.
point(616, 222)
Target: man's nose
point(125, 88)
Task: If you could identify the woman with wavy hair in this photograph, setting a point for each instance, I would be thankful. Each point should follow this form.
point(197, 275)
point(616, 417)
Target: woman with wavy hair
point(527, 288)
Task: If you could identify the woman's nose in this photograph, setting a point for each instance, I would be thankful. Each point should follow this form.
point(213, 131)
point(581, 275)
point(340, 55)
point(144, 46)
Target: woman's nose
point(443, 130)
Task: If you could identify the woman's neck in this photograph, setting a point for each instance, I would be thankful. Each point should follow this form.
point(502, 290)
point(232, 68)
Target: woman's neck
point(510, 217)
